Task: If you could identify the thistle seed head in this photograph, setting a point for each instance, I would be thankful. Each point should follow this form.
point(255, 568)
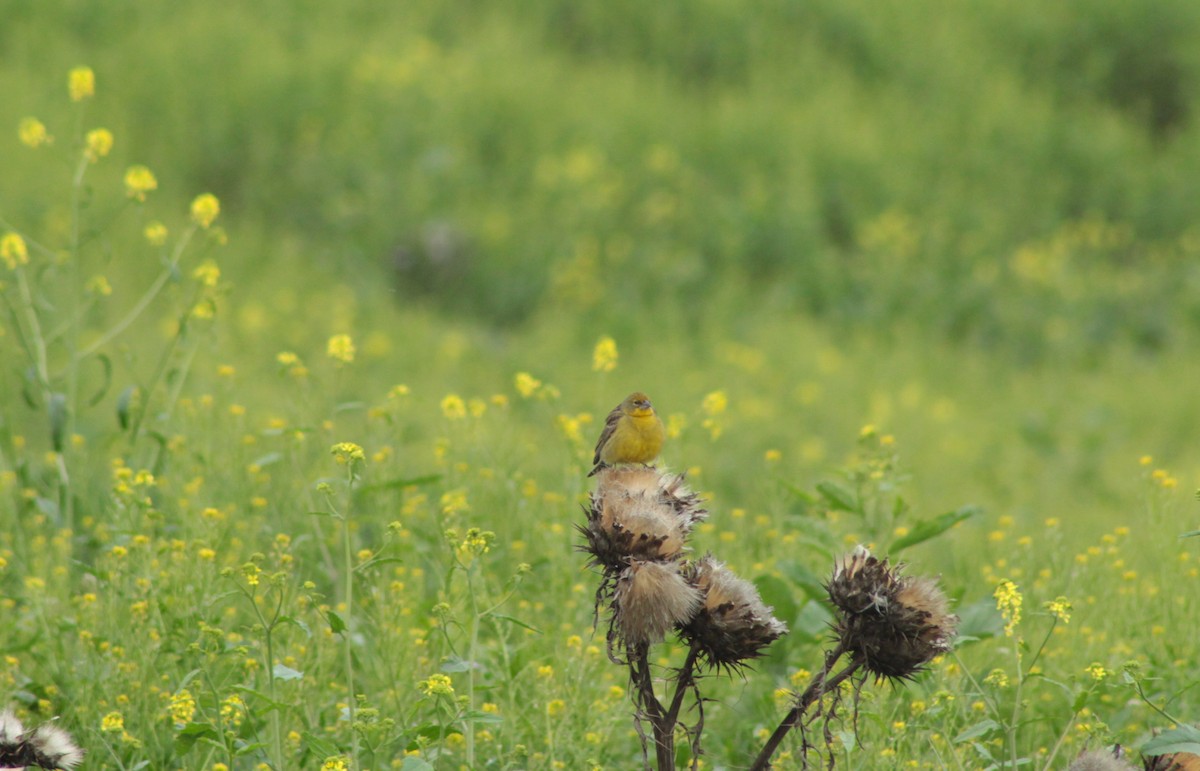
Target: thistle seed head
point(10, 728)
point(639, 513)
point(55, 747)
point(1101, 760)
point(1175, 761)
point(48, 746)
point(733, 624)
point(895, 623)
point(651, 599)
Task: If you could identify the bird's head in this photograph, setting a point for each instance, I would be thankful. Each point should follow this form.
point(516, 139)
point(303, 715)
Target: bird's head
point(637, 404)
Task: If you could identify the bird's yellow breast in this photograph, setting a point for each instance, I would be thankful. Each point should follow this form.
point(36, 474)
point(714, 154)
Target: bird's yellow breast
point(636, 439)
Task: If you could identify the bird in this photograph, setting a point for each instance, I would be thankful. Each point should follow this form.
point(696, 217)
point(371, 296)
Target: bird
point(633, 433)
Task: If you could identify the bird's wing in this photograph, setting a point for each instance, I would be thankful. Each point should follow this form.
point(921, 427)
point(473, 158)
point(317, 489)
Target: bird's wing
point(610, 425)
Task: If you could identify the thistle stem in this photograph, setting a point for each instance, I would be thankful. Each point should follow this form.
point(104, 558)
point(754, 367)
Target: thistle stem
point(820, 685)
point(664, 731)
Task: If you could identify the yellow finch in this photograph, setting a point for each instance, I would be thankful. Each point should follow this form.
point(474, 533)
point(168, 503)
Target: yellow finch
point(633, 433)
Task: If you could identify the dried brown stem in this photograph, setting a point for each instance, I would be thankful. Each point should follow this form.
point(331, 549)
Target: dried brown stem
point(821, 684)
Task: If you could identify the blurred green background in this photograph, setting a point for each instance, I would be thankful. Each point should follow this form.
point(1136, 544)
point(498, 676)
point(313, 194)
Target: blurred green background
point(840, 212)
point(1003, 175)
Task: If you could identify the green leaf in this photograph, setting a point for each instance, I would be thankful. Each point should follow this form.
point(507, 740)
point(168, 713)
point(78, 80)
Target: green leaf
point(979, 620)
point(980, 729)
point(267, 703)
point(1185, 738)
point(268, 459)
point(931, 528)
point(318, 746)
point(187, 737)
point(477, 716)
point(58, 420)
point(393, 484)
point(458, 664)
point(839, 497)
point(375, 561)
point(513, 620)
point(777, 593)
point(125, 405)
point(813, 620)
point(336, 625)
point(294, 622)
point(809, 582)
point(1190, 534)
point(106, 363)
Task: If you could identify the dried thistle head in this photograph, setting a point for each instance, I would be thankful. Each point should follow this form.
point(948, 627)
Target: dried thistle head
point(1101, 760)
point(1175, 761)
point(55, 748)
point(639, 513)
point(651, 599)
point(10, 728)
point(895, 623)
point(48, 746)
point(733, 624)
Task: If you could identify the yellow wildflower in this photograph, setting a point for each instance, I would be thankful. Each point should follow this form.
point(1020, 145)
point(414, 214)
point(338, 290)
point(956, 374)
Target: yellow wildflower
point(341, 349)
point(156, 233)
point(454, 407)
point(32, 133)
point(112, 722)
point(13, 250)
point(81, 83)
point(207, 273)
point(437, 685)
point(346, 452)
point(715, 403)
point(182, 707)
point(526, 384)
point(98, 285)
point(139, 180)
point(205, 208)
point(1060, 608)
point(604, 355)
point(1008, 602)
point(97, 144)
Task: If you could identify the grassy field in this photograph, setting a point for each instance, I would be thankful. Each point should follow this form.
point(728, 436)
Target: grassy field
point(294, 440)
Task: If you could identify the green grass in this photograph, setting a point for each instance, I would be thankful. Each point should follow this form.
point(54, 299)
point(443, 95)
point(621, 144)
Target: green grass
point(969, 228)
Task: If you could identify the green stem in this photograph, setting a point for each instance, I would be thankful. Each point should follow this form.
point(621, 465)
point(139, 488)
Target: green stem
point(1016, 713)
point(145, 300)
point(346, 634)
point(1062, 737)
point(472, 646)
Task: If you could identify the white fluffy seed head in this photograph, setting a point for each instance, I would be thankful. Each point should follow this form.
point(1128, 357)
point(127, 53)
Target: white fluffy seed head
point(10, 728)
point(57, 746)
point(650, 600)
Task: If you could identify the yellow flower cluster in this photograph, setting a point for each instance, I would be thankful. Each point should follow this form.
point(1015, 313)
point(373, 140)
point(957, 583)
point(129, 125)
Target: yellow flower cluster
point(348, 452)
point(97, 144)
point(1008, 602)
point(604, 355)
point(205, 209)
point(437, 685)
point(13, 250)
point(341, 349)
point(182, 707)
point(32, 133)
point(1060, 608)
point(81, 84)
point(139, 180)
